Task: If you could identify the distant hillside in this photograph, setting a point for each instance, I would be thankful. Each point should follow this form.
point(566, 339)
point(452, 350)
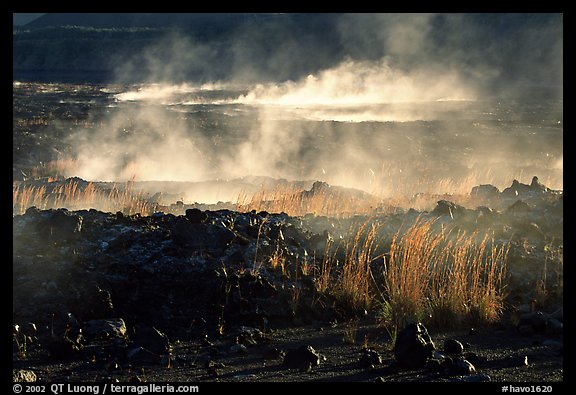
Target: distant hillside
point(20, 19)
point(212, 22)
point(497, 49)
point(97, 44)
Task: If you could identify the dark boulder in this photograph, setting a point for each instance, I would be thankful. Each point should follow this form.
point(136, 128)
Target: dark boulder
point(60, 225)
point(519, 207)
point(453, 346)
point(301, 358)
point(196, 216)
point(63, 349)
point(444, 207)
point(110, 328)
point(413, 346)
point(516, 190)
point(485, 191)
point(370, 358)
point(153, 340)
point(199, 236)
point(273, 353)
point(458, 366)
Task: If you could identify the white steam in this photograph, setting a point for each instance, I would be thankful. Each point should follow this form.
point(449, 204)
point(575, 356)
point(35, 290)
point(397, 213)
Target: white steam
point(406, 112)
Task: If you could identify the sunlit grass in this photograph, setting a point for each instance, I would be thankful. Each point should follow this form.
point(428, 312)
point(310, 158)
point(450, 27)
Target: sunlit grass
point(443, 279)
point(76, 195)
point(294, 202)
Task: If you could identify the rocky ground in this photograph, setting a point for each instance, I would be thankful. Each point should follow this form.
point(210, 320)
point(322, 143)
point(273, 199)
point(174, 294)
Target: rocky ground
point(203, 297)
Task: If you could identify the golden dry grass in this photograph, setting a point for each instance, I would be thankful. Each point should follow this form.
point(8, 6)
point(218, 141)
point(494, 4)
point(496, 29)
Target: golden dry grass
point(443, 279)
point(295, 203)
point(75, 196)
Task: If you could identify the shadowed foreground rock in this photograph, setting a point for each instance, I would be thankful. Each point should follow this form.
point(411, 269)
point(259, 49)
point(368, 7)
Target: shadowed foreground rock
point(302, 358)
point(413, 346)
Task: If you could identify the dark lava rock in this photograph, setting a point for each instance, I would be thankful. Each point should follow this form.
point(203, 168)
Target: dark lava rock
point(273, 353)
point(463, 366)
point(536, 185)
point(485, 191)
point(453, 346)
point(519, 207)
point(530, 323)
point(444, 207)
point(196, 216)
point(199, 236)
point(475, 359)
point(458, 366)
point(98, 329)
point(413, 346)
point(434, 365)
point(60, 224)
point(370, 358)
point(63, 348)
point(249, 336)
point(153, 340)
point(517, 188)
point(555, 327)
point(301, 358)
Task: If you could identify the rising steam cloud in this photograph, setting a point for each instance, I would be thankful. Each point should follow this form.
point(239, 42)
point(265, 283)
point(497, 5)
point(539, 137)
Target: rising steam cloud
point(395, 74)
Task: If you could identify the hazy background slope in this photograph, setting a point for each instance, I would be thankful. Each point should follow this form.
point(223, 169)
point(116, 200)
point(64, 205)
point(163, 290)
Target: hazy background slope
point(498, 51)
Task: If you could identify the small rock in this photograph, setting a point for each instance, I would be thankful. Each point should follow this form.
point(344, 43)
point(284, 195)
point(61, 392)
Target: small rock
point(61, 224)
point(554, 326)
point(413, 346)
point(196, 216)
point(370, 358)
point(445, 207)
point(532, 322)
point(99, 329)
point(153, 340)
point(63, 349)
point(475, 359)
point(212, 364)
point(239, 348)
point(301, 358)
point(485, 191)
point(461, 366)
point(453, 346)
